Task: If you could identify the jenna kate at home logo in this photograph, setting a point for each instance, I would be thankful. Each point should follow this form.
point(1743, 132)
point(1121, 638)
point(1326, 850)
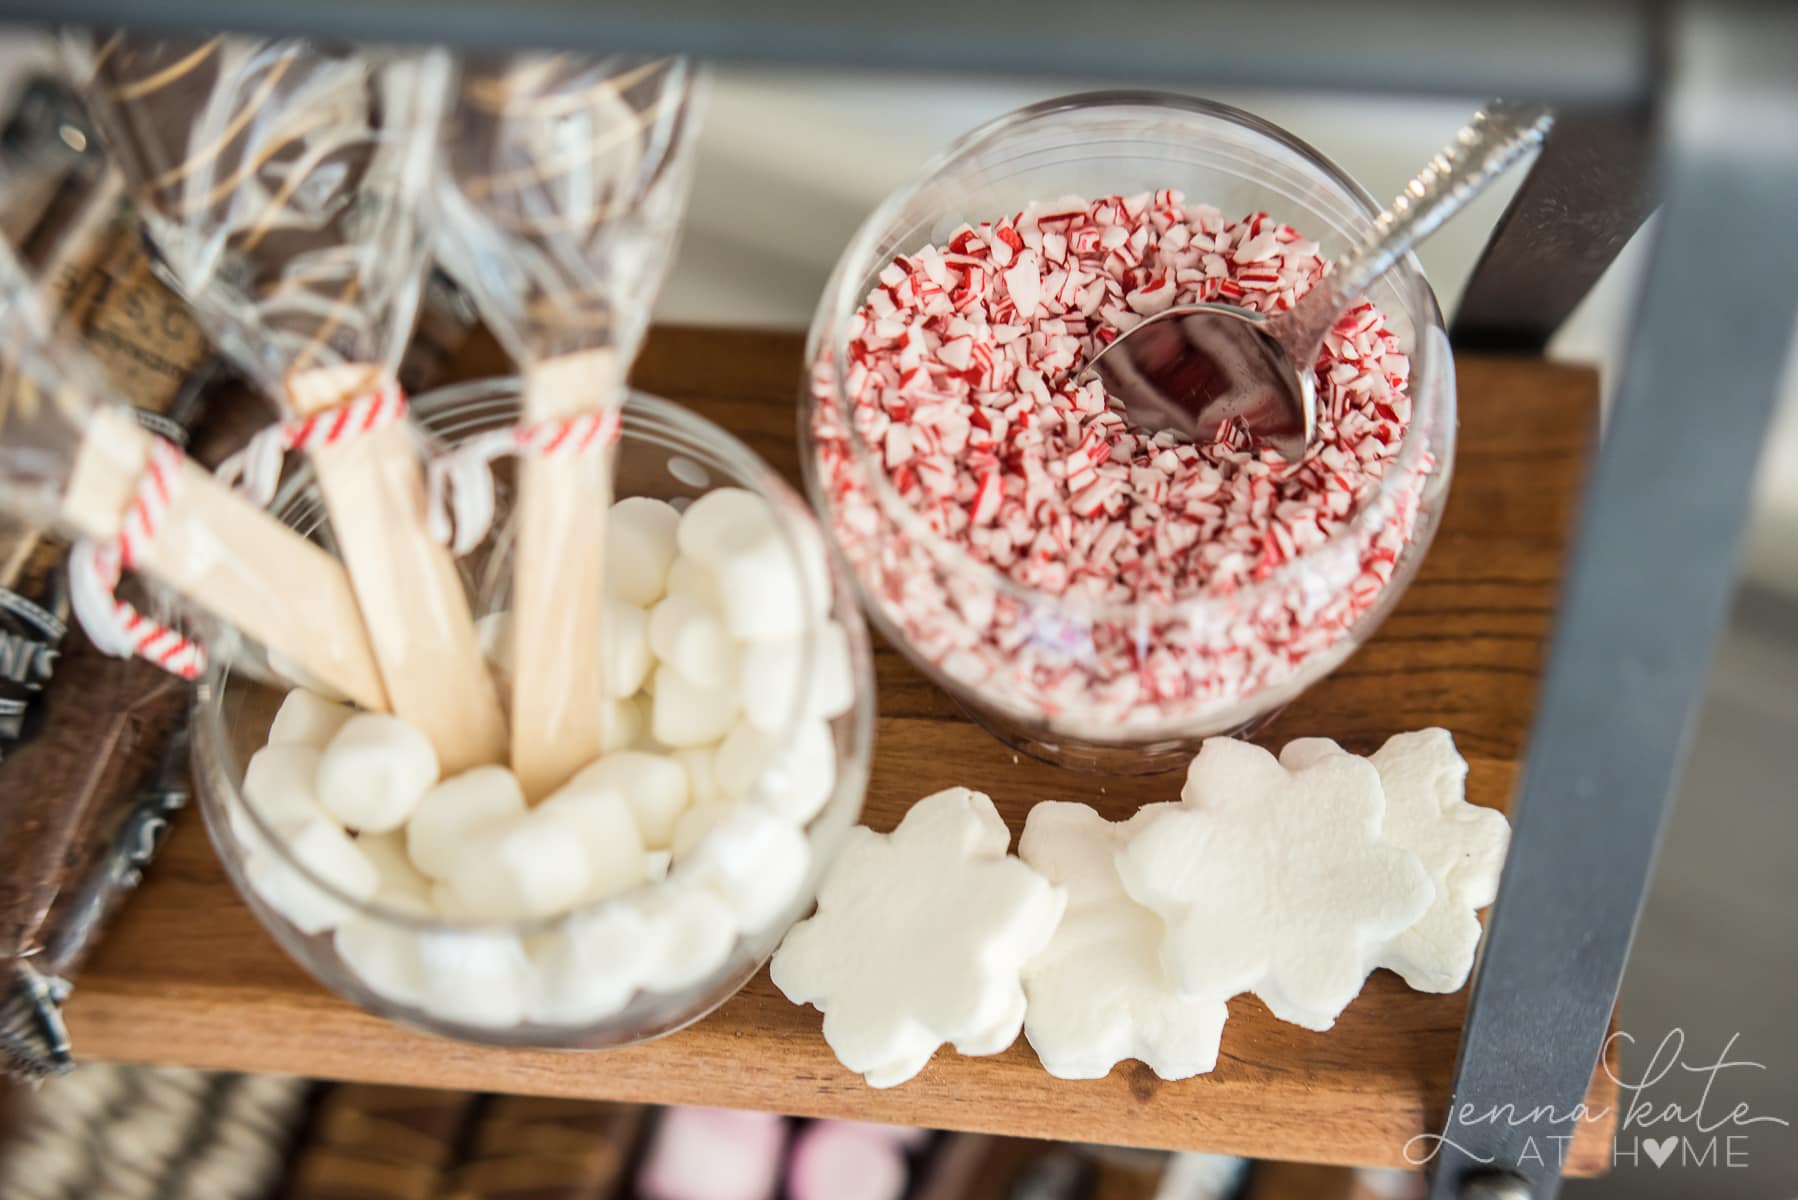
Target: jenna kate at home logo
point(1653, 1131)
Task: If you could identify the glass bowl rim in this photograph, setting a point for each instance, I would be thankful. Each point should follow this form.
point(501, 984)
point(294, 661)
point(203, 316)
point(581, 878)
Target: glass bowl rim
point(1430, 356)
point(641, 412)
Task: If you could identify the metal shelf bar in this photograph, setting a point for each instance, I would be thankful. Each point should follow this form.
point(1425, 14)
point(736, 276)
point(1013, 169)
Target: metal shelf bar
point(1596, 52)
point(1645, 596)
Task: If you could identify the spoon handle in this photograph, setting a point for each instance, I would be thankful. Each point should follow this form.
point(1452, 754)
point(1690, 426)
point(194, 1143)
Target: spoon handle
point(1488, 144)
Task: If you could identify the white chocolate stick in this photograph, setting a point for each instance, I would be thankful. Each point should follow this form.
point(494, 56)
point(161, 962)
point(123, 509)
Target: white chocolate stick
point(231, 558)
point(406, 584)
point(558, 692)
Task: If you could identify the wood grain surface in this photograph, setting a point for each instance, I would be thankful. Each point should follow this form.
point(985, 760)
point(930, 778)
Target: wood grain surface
point(187, 976)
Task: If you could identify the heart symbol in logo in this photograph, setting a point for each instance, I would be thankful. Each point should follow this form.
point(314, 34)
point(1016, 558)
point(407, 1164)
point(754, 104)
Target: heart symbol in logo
point(1662, 1150)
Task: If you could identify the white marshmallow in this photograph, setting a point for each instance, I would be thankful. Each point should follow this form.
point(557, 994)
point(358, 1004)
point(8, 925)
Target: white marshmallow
point(625, 648)
point(688, 635)
point(533, 868)
point(384, 955)
point(401, 885)
point(767, 585)
point(589, 969)
point(1249, 829)
point(1098, 993)
point(656, 864)
point(375, 771)
point(1461, 845)
point(756, 863)
point(653, 785)
point(640, 539)
point(599, 820)
point(321, 846)
point(693, 932)
point(623, 726)
point(700, 764)
point(475, 977)
point(449, 905)
point(460, 813)
point(770, 677)
point(689, 578)
point(921, 937)
point(795, 782)
point(281, 784)
point(686, 715)
point(694, 824)
point(307, 719)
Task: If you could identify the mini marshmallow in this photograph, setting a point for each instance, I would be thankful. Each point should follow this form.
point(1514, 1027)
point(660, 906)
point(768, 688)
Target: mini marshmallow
point(281, 784)
point(687, 634)
point(590, 967)
point(626, 656)
point(795, 782)
point(693, 932)
point(599, 820)
point(656, 864)
point(1274, 881)
point(766, 589)
point(700, 765)
point(375, 771)
point(687, 715)
point(400, 886)
point(653, 785)
point(1462, 846)
point(920, 938)
point(838, 1160)
point(384, 955)
point(532, 868)
point(770, 684)
point(1097, 993)
point(640, 546)
point(694, 824)
point(713, 1154)
point(307, 719)
point(322, 847)
point(689, 578)
point(458, 814)
point(623, 726)
point(474, 977)
point(755, 862)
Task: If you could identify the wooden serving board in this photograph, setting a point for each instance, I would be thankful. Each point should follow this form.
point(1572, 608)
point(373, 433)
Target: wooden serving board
point(187, 976)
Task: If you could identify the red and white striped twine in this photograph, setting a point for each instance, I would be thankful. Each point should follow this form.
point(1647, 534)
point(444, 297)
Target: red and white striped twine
point(460, 481)
point(256, 469)
point(112, 624)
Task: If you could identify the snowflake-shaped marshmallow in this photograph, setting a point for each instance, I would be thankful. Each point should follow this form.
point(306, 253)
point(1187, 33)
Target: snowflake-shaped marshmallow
point(1274, 881)
point(920, 938)
point(1462, 846)
point(1098, 994)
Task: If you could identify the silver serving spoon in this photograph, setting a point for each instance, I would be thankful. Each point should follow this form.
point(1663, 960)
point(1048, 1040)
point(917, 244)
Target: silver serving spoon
point(1196, 365)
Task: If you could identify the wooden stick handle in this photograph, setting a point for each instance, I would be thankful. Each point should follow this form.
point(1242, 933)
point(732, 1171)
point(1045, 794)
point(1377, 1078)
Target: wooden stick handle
point(558, 692)
point(407, 585)
point(231, 558)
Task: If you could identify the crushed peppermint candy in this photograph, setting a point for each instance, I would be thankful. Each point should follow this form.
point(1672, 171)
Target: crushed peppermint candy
point(958, 377)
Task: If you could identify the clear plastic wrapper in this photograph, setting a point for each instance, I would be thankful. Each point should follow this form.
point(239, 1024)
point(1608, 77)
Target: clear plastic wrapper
point(280, 180)
point(72, 461)
point(562, 183)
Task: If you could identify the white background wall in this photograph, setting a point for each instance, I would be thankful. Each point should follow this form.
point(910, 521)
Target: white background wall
point(791, 161)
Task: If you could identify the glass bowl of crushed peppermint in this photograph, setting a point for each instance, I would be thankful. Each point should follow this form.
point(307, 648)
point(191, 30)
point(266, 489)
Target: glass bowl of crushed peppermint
point(1099, 595)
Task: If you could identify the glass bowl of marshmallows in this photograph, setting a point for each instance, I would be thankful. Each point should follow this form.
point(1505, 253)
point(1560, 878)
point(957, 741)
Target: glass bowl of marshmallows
point(653, 884)
point(1098, 594)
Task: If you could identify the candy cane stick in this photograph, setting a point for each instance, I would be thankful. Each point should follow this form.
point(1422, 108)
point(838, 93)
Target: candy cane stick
point(530, 183)
point(405, 583)
point(228, 557)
